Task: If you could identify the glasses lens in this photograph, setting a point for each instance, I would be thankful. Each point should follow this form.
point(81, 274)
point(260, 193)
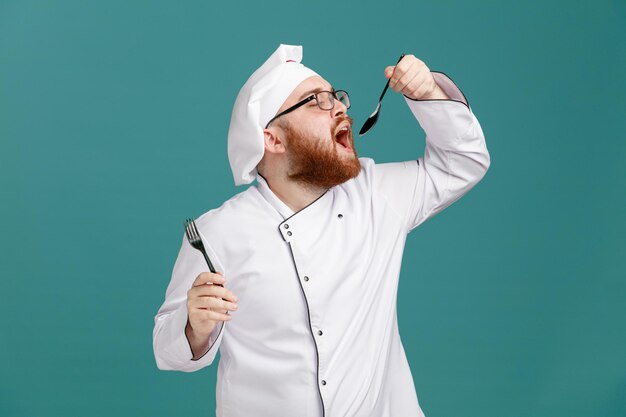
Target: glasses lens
point(342, 96)
point(325, 100)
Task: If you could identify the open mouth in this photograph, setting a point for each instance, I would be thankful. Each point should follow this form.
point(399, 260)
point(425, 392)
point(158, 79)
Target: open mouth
point(342, 137)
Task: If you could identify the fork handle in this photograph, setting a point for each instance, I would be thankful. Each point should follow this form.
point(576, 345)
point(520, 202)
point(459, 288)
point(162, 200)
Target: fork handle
point(208, 261)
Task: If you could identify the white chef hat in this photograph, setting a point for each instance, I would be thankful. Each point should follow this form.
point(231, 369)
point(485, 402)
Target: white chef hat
point(258, 101)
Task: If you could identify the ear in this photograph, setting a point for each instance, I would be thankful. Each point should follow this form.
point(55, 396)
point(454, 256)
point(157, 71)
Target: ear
point(273, 143)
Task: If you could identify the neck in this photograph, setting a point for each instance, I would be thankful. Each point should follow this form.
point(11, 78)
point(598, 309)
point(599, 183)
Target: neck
point(294, 194)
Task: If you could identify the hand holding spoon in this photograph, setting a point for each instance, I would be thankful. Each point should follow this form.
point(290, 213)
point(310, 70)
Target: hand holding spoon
point(374, 117)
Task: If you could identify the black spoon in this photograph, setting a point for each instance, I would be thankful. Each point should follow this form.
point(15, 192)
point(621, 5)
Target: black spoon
point(374, 117)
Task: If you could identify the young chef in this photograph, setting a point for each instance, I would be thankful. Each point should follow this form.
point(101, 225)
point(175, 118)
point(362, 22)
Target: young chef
point(309, 256)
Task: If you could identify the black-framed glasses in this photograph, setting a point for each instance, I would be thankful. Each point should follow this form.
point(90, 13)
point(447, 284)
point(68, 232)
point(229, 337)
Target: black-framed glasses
point(325, 101)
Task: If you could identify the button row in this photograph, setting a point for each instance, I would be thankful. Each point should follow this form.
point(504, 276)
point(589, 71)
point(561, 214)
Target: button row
point(286, 225)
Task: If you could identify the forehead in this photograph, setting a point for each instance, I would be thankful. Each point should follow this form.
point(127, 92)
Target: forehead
point(306, 88)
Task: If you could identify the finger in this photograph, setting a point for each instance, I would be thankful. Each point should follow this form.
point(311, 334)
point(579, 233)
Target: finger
point(211, 303)
point(411, 73)
point(214, 315)
point(393, 73)
point(395, 76)
point(209, 278)
point(215, 304)
point(423, 90)
point(212, 291)
point(202, 315)
point(401, 68)
point(202, 304)
point(411, 88)
point(404, 72)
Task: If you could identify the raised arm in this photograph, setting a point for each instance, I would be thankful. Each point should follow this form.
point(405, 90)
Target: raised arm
point(456, 156)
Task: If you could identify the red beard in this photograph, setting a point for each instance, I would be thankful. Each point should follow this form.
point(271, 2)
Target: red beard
point(313, 162)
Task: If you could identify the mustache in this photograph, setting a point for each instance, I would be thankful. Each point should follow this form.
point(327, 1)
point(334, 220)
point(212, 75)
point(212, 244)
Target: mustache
point(340, 120)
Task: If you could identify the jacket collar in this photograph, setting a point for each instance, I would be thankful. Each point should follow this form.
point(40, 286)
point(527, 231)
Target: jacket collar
point(272, 199)
point(294, 223)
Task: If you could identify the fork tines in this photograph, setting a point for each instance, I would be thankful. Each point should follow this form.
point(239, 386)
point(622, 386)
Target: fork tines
point(193, 236)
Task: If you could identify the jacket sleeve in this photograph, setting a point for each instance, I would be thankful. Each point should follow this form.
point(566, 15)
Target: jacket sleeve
point(171, 347)
point(455, 158)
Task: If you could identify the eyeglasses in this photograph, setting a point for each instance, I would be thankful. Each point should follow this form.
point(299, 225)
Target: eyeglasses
point(325, 101)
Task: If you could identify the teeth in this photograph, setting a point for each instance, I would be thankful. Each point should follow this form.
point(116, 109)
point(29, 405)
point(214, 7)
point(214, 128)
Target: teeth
point(341, 131)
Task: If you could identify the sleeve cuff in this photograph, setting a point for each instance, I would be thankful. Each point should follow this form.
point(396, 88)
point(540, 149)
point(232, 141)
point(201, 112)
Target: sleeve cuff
point(448, 86)
point(445, 121)
point(180, 347)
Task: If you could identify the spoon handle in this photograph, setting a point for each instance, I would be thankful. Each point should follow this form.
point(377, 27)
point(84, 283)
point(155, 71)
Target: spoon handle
point(387, 85)
point(384, 90)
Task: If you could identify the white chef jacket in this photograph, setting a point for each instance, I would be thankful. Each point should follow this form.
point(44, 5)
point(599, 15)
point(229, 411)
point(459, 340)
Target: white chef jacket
point(316, 331)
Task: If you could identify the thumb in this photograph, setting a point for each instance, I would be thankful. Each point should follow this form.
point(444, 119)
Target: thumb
point(389, 72)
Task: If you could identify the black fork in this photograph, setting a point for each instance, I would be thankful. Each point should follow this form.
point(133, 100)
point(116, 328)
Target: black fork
point(194, 239)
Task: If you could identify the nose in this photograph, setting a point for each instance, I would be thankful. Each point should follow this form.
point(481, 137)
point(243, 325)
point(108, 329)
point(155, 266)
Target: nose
point(338, 109)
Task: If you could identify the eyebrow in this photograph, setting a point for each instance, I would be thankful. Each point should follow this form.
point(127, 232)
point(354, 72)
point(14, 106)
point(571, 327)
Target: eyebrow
point(315, 90)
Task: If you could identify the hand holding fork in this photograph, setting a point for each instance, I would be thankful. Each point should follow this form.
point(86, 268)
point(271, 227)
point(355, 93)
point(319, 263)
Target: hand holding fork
point(206, 304)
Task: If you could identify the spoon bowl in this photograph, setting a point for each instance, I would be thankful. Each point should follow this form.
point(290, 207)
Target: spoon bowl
point(374, 116)
point(370, 121)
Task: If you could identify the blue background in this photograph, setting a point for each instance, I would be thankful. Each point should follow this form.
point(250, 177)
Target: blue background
point(113, 123)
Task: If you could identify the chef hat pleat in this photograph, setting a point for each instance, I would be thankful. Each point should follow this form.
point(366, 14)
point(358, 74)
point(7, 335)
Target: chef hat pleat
point(258, 101)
